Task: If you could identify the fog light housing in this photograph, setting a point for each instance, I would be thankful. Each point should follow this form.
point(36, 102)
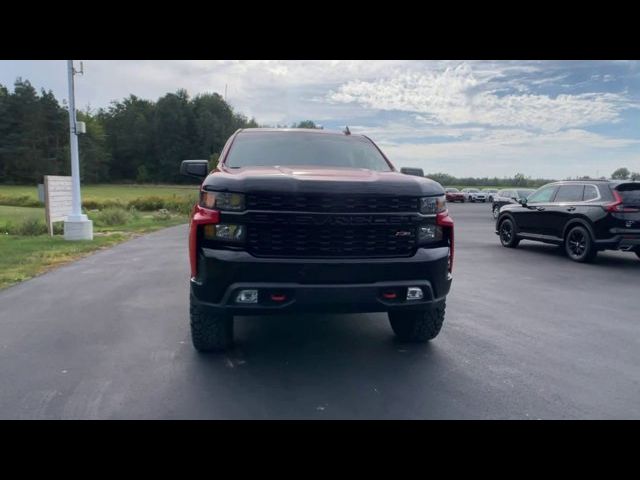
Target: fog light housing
point(429, 233)
point(415, 293)
point(247, 296)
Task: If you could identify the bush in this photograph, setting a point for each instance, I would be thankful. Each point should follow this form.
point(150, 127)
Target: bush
point(27, 227)
point(112, 216)
point(162, 215)
point(19, 201)
point(147, 204)
point(92, 204)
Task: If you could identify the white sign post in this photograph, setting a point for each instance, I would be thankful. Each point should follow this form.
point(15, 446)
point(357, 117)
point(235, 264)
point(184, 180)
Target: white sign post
point(77, 226)
point(57, 199)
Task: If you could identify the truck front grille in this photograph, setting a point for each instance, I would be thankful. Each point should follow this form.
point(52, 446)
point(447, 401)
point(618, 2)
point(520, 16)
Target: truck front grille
point(330, 241)
point(332, 203)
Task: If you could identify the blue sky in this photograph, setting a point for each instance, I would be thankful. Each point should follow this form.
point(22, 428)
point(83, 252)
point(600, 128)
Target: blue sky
point(552, 119)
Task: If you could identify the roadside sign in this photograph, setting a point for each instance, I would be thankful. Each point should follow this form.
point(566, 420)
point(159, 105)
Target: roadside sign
point(57, 199)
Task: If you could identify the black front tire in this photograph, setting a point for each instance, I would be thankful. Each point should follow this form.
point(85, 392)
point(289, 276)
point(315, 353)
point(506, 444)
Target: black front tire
point(507, 233)
point(579, 246)
point(210, 332)
point(417, 327)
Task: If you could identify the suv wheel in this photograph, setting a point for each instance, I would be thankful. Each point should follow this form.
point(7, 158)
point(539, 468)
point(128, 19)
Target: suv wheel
point(507, 233)
point(579, 246)
point(496, 212)
point(210, 332)
point(417, 327)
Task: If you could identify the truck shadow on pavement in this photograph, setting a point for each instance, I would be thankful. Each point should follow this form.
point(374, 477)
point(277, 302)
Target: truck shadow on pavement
point(323, 366)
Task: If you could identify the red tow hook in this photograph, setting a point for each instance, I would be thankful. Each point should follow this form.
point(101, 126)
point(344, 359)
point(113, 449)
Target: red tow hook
point(277, 297)
point(390, 295)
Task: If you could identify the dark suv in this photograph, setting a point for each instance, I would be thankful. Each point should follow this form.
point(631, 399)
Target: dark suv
point(308, 220)
point(507, 196)
point(583, 216)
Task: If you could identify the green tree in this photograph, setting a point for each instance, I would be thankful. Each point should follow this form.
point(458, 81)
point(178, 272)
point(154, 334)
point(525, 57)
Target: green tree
point(95, 158)
point(621, 174)
point(305, 124)
point(635, 176)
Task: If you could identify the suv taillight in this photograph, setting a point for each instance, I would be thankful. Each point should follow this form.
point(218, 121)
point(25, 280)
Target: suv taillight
point(618, 207)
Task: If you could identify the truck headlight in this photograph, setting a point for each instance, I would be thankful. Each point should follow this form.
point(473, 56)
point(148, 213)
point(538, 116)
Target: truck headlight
point(222, 201)
point(431, 205)
point(225, 232)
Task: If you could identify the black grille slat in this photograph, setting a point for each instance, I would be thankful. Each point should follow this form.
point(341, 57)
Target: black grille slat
point(319, 241)
point(332, 204)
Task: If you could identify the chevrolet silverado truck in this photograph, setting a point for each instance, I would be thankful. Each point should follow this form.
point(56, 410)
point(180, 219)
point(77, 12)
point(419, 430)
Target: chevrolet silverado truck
point(295, 220)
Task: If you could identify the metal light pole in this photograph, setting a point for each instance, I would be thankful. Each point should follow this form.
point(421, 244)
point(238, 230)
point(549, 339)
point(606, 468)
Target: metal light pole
point(77, 226)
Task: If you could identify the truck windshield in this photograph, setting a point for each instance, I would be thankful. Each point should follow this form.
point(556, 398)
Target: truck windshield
point(304, 149)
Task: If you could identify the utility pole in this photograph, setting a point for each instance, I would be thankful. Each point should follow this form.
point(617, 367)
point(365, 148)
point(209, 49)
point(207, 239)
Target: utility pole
point(77, 226)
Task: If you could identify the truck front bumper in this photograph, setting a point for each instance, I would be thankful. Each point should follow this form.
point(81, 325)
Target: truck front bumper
point(327, 285)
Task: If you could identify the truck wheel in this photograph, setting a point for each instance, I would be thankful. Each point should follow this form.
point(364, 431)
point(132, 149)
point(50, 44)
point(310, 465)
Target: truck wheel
point(508, 234)
point(417, 327)
point(210, 332)
point(579, 246)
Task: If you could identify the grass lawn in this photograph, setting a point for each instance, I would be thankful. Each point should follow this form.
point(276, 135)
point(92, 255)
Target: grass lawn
point(16, 214)
point(27, 255)
point(23, 257)
point(123, 193)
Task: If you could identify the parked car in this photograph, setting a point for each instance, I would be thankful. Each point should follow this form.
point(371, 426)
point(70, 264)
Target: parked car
point(490, 192)
point(584, 217)
point(507, 196)
point(312, 220)
point(474, 195)
point(454, 195)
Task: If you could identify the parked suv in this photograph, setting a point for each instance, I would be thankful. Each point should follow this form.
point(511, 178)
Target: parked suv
point(309, 220)
point(582, 216)
point(490, 193)
point(474, 195)
point(507, 196)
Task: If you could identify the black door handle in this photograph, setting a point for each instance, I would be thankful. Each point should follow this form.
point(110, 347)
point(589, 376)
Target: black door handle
point(571, 209)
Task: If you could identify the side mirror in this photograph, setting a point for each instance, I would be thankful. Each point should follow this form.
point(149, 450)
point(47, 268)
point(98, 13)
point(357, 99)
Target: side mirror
point(418, 172)
point(522, 201)
point(195, 168)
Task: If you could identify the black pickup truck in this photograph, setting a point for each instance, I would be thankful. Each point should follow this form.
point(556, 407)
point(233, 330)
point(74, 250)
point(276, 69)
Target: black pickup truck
point(297, 220)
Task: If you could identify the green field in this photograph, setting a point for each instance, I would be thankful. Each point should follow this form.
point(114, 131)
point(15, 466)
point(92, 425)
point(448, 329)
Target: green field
point(16, 214)
point(27, 252)
point(109, 192)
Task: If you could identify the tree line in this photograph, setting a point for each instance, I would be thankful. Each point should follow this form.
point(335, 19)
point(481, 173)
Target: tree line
point(132, 140)
point(142, 141)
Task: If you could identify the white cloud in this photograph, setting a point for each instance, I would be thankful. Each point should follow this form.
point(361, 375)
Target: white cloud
point(459, 95)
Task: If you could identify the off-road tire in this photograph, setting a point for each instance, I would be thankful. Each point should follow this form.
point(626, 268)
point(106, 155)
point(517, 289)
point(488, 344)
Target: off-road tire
point(417, 327)
point(210, 332)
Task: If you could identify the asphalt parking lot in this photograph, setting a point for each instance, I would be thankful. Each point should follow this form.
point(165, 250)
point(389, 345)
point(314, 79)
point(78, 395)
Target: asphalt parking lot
point(528, 335)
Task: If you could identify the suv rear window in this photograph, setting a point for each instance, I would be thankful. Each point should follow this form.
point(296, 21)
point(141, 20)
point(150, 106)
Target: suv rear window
point(630, 193)
point(304, 148)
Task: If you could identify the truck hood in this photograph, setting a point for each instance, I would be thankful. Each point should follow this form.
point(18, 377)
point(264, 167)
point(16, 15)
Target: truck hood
point(314, 180)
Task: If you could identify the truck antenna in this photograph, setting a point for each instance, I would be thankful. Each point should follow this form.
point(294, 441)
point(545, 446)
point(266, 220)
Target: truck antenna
point(347, 131)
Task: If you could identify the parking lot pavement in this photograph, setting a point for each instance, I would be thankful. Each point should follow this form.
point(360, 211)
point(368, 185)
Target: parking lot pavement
point(528, 334)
